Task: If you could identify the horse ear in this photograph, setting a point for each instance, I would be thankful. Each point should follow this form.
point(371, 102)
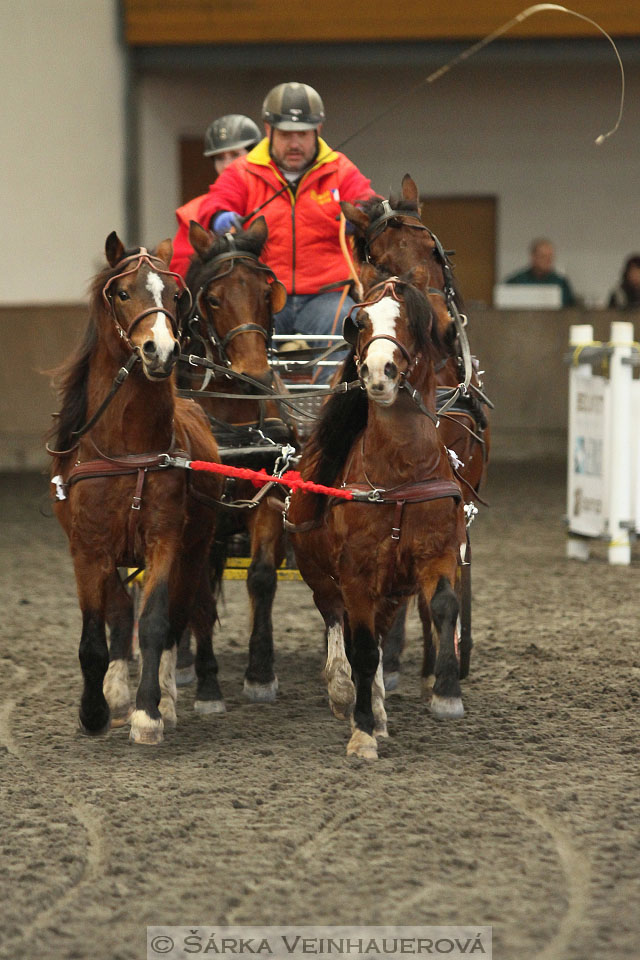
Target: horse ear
point(409, 190)
point(200, 239)
point(278, 296)
point(164, 251)
point(114, 249)
point(259, 230)
point(355, 216)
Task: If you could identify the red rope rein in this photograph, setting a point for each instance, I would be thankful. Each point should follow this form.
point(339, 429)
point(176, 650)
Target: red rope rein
point(291, 478)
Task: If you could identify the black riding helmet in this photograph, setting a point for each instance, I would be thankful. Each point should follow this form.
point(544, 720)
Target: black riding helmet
point(293, 106)
point(231, 132)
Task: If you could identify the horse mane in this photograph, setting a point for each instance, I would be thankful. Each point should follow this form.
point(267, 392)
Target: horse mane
point(71, 377)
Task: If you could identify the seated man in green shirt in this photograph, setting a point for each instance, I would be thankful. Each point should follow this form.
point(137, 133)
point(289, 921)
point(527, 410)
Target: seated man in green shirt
point(541, 270)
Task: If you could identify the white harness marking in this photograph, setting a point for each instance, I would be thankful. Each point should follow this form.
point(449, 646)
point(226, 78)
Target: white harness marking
point(383, 315)
point(162, 338)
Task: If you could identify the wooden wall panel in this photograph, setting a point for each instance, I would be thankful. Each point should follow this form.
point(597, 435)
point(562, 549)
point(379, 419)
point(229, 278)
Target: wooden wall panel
point(153, 22)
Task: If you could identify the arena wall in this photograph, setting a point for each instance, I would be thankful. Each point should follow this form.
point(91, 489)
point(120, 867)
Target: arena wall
point(522, 353)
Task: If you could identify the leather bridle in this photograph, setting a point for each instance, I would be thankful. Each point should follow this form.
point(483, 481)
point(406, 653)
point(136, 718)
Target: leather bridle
point(387, 288)
point(229, 259)
point(137, 260)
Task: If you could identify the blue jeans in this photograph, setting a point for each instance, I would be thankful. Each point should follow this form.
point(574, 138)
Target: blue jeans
point(306, 314)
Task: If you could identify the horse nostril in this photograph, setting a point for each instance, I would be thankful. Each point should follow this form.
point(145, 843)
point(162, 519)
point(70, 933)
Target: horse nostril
point(364, 370)
point(390, 370)
point(149, 348)
point(176, 350)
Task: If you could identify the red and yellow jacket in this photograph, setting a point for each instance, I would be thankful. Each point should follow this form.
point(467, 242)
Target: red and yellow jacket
point(303, 248)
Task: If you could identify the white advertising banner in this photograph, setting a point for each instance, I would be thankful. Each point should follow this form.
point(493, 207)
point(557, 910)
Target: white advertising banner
point(587, 494)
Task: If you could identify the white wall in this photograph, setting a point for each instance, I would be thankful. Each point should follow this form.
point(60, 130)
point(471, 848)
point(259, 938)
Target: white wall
point(524, 132)
point(61, 189)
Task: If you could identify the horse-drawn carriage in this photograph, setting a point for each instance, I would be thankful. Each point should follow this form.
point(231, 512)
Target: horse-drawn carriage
point(400, 534)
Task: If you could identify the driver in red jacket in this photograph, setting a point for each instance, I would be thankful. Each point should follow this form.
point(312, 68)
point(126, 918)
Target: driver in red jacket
point(296, 181)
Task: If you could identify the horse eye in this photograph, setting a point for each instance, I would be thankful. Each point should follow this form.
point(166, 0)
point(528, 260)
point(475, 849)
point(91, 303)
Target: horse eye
point(176, 296)
point(122, 295)
point(213, 301)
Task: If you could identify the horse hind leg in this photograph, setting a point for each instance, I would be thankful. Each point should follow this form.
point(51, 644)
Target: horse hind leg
point(119, 615)
point(394, 643)
point(260, 681)
point(340, 686)
point(446, 701)
point(377, 702)
point(185, 666)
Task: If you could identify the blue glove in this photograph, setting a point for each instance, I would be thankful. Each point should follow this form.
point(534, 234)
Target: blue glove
point(223, 222)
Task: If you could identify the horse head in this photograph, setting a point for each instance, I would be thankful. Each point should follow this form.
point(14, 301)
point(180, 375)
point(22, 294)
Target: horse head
point(390, 233)
point(235, 296)
point(392, 333)
point(140, 294)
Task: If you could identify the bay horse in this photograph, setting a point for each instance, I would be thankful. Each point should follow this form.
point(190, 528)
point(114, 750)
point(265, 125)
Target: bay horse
point(390, 234)
point(121, 503)
point(235, 297)
point(404, 533)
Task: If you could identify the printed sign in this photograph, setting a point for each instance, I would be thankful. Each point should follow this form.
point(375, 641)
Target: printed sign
point(588, 454)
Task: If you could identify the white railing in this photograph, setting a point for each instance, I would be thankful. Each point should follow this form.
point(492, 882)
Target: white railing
point(603, 467)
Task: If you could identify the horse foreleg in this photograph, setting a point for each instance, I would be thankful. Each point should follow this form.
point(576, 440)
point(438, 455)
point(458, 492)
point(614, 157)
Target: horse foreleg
point(147, 725)
point(208, 699)
point(119, 615)
point(446, 700)
point(267, 553)
point(365, 661)
point(93, 652)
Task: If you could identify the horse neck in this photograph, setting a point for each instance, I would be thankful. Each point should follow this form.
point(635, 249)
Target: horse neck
point(140, 417)
point(401, 440)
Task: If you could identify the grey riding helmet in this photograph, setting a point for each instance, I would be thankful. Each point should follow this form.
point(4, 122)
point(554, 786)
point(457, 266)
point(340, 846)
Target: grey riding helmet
point(231, 132)
point(293, 106)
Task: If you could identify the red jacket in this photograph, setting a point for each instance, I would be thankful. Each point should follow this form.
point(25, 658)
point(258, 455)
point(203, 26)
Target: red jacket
point(303, 247)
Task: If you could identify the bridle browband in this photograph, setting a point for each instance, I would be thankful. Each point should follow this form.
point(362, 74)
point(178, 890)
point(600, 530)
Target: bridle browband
point(229, 258)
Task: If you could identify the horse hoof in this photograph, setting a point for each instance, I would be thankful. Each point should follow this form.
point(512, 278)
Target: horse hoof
point(208, 708)
point(428, 684)
point(391, 681)
point(261, 692)
point(169, 718)
point(447, 708)
point(144, 729)
point(120, 716)
point(87, 732)
point(185, 675)
point(362, 745)
point(381, 732)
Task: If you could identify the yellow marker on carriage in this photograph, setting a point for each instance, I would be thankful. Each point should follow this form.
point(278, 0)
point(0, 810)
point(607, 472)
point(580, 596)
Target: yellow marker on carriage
point(237, 567)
